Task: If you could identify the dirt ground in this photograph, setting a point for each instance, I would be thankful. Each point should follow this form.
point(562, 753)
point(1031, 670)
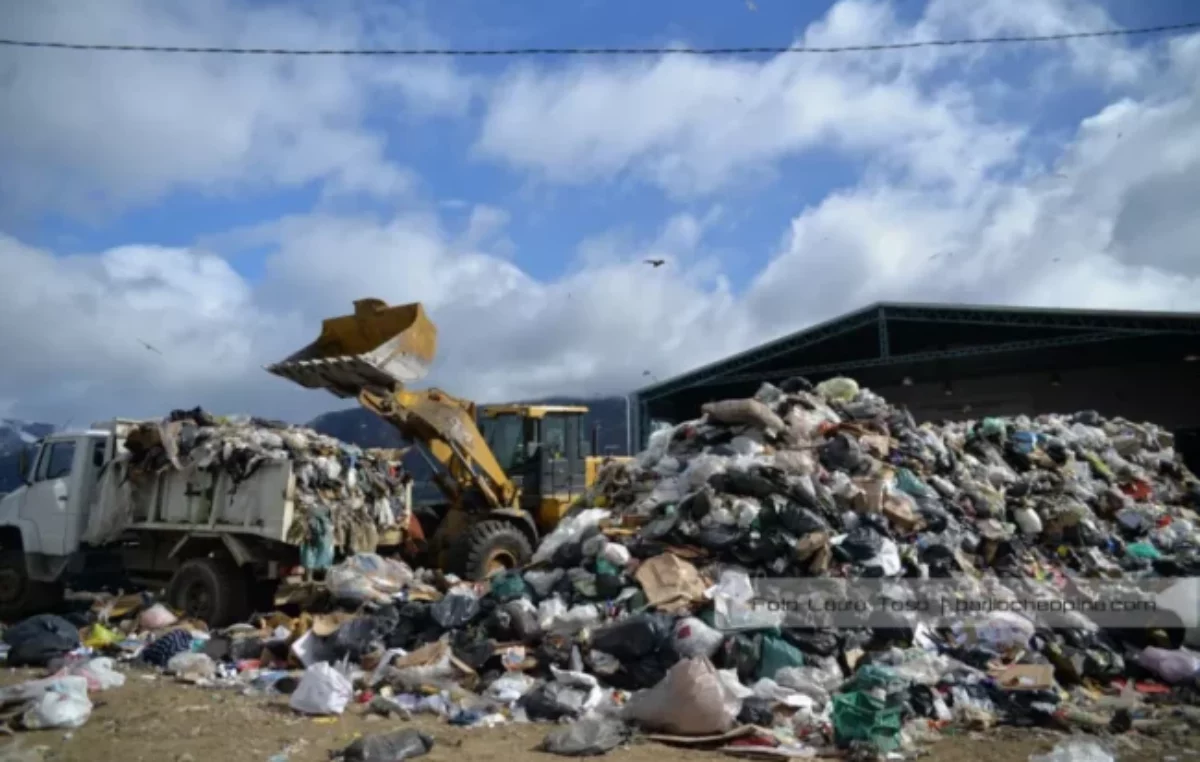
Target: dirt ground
point(156, 720)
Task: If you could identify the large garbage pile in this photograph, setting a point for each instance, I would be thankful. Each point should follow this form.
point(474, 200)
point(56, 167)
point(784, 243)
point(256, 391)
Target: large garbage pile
point(639, 613)
point(344, 495)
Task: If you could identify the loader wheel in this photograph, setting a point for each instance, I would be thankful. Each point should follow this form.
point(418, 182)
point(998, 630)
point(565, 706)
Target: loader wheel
point(212, 590)
point(21, 596)
point(493, 546)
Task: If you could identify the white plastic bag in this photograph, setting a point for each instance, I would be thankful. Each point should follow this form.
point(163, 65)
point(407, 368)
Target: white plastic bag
point(1172, 666)
point(192, 666)
point(616, 554)
point(581, 681)
point(568, 530)
point(733, 605)
point(368, 577)
point(100, 673)
point(695, 638)
point(550, 610)
point(63, 704)
point(700, 469)
point(157, 617)
point(509, 687)
point(656, 447)
point(692, 700)
point(322, 691)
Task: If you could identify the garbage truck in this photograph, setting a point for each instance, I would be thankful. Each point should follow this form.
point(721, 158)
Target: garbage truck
point(219, 545)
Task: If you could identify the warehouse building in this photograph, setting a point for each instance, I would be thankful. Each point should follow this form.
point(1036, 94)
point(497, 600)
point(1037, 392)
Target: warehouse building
point(958, 362)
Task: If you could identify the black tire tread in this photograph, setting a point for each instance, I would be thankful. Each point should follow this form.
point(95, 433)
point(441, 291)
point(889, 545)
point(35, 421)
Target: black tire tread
point(231, 602)
point(484, 536)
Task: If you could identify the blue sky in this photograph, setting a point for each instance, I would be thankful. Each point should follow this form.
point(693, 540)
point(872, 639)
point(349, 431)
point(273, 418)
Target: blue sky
point(223, 207)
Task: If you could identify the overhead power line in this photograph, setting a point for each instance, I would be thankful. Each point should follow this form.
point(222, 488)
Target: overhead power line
point(415, 52)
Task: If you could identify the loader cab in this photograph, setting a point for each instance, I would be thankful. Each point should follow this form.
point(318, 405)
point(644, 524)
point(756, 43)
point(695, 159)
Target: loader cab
point(544, 450)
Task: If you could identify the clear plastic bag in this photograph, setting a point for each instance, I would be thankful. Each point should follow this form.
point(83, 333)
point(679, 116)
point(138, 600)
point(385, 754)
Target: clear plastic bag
point(569, 530)
point(322, 691)
point(692, 699)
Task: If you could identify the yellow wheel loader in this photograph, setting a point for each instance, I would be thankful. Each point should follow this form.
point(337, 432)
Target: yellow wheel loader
point(508, 472)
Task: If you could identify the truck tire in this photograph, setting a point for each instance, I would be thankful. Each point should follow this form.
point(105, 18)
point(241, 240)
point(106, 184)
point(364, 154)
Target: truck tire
point(21, 596)
point(213, 590)
point(492, 546)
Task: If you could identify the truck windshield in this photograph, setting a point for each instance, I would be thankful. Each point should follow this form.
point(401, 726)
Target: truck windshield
point(505, 436)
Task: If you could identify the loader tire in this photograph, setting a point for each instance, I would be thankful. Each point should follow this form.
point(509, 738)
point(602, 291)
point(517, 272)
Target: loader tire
point(493, 546)
point(21, 596)
point(210, 589)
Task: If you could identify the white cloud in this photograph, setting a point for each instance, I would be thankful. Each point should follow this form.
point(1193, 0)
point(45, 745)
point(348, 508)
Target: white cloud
point(1110, 224)
point(90, 133)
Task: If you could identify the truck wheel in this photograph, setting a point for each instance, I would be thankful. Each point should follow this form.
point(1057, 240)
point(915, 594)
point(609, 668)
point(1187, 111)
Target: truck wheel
point(493, 546)
point(21, 596)
point(212, 590)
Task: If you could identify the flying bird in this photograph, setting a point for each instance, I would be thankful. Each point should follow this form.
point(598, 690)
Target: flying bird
point(147, 346)
point(656, 262)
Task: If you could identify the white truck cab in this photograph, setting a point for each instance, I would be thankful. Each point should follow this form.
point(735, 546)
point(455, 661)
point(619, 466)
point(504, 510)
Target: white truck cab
point(41, 522)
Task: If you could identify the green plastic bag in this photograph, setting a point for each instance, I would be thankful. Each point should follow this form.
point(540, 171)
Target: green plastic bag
point(509, 586)
point(1143, 550)
point(777, 653)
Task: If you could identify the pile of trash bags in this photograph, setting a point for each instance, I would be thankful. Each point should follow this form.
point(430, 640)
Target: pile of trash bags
point(345, 496)
point(640, 612)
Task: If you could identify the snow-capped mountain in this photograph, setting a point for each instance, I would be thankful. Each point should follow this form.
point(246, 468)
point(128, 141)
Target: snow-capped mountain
point(15, 436)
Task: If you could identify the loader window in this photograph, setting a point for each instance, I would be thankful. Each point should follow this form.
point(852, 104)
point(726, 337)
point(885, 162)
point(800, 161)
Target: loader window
point(505, 435)
point(554, 435)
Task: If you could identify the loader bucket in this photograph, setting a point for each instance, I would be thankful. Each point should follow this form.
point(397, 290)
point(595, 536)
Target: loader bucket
point(378, 348)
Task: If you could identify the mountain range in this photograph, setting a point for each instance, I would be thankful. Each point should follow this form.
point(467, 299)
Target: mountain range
point(354, 425)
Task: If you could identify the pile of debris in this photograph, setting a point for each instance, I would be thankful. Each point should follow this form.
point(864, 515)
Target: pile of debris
point(645, 610)
point(345, 496)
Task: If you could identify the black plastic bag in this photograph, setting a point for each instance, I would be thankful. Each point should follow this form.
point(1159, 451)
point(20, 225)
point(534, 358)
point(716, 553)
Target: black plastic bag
point(659, 527)
point(741, 652)
point(546, 703)
point(634, 637)
point(796, 519)
point(744, 483)
point(795, 385)
point(841, 453)
point(698, 504)
point(357, 637)
point(387, 747)
point(861, 544)
point(756, 711)
point(38, 639)
point(819, 642)
point(587, 737)
point(718, 537)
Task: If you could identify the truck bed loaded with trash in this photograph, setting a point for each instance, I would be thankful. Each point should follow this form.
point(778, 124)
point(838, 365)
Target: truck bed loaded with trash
point(760, 580)
point(148, 502)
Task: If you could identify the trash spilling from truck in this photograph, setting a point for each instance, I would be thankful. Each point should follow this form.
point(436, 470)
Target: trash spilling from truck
point(807, 572)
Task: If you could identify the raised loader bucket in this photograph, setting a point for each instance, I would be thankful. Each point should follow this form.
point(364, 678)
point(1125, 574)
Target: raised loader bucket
point(377, 348)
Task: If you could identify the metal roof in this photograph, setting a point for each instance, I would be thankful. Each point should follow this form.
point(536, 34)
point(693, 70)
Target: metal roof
point(1114, 321)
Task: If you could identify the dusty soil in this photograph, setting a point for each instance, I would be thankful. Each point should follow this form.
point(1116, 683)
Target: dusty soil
point(156, 720)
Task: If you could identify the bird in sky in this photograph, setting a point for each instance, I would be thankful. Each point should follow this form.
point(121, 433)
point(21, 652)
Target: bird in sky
point(148, 346)
point(656, 262)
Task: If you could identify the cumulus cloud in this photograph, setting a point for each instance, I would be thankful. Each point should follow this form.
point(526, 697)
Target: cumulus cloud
point(86, 134)
point(951, 205)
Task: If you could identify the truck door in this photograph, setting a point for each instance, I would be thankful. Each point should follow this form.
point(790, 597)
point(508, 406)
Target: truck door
point(47, 501)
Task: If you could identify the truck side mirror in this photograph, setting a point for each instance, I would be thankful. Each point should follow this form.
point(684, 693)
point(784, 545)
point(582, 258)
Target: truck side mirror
point(596, 439)
point(23, 465)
